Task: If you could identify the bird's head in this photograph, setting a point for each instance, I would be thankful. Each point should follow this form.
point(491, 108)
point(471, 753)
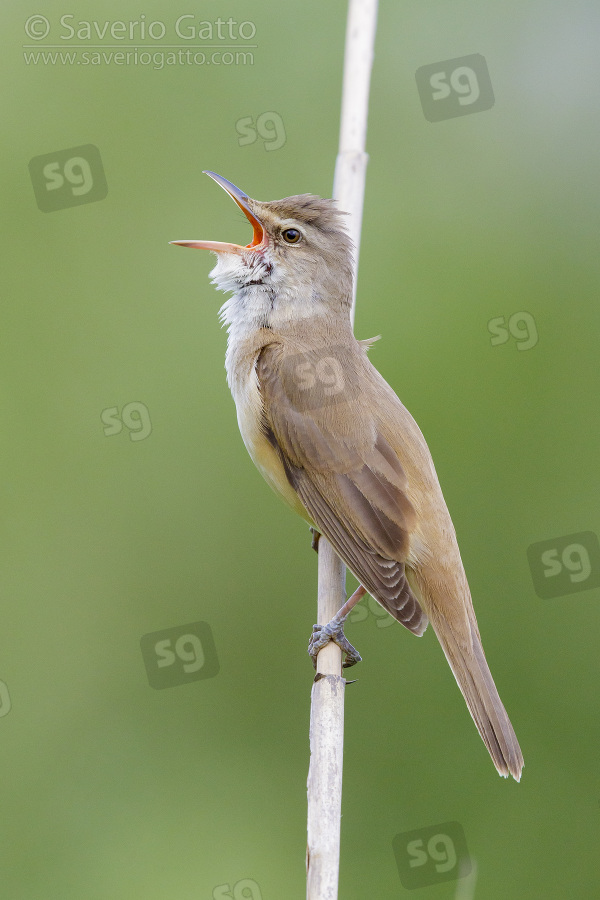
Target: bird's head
point(298, 264)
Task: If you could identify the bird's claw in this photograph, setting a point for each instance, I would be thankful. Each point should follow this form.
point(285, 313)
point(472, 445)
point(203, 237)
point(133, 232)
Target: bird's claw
point(333, 631)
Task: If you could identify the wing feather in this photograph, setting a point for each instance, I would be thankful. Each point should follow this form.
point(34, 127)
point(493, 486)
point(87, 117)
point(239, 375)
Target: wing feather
point(347, 477)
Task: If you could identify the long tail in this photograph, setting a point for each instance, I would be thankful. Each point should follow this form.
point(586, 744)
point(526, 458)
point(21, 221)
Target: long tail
point(475, 680)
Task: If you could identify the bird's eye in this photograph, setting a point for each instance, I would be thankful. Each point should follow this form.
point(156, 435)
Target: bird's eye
point(291, 235)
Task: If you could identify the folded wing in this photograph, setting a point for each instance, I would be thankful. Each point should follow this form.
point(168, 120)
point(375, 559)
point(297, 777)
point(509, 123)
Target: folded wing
point(344, 471)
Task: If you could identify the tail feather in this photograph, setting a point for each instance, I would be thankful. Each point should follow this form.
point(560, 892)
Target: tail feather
point(475, 680)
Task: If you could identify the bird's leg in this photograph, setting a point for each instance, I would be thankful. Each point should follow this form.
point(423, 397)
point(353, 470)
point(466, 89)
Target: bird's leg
point(334, 631)
point(315, 539)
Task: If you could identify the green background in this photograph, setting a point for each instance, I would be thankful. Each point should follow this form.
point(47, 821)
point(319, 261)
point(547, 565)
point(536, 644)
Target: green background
point(110, 789)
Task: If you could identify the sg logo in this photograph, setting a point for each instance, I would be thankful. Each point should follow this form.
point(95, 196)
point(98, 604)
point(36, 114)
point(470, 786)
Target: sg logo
point(455, 87)
point(565, 565)
point(269, 126)
point(361, 611)
point(313, 382)
point(134, 415)
point(179, 655)
point(431, 855)
point(521, 326)
point(68, 178)
point(246, 889)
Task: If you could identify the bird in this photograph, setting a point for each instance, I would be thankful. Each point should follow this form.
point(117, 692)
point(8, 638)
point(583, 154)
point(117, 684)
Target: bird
point(333, 439)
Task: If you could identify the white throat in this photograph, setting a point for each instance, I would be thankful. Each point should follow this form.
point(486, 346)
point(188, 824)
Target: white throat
point(261, 295)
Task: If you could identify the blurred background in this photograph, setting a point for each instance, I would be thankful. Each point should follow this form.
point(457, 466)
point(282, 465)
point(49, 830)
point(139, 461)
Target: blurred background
point(157, 597)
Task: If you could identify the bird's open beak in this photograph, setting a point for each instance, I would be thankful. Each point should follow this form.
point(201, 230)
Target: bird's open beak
point(242, 201)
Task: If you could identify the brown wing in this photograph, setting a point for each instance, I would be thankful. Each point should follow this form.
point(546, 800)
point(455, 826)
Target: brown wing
point(342, 468)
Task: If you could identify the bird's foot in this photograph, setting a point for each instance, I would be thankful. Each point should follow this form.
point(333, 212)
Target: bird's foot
point(333, 631)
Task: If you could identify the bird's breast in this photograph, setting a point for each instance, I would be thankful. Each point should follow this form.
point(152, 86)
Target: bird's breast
point(249, 405)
